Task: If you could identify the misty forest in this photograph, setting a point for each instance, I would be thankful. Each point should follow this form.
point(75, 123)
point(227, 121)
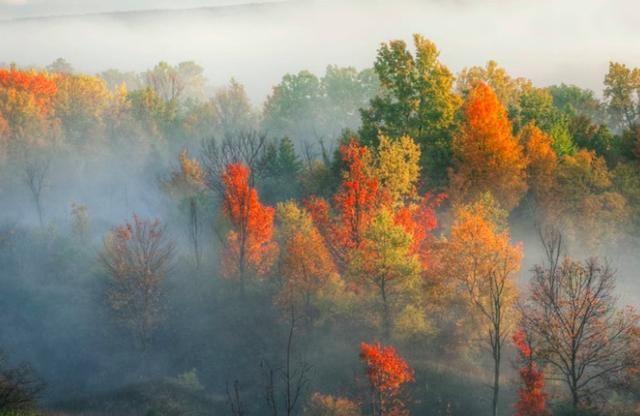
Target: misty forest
point(400, 239)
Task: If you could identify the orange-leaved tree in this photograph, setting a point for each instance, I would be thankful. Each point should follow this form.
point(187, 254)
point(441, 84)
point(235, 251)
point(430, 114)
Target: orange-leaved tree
point(387, 374)
point(542, 162)
point(531, 396)
point(250, 249)
point(26, 107)
point(487, 158)
point(480, 256)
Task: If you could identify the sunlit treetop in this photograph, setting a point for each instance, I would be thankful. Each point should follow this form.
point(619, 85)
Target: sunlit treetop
point(487, 158)
point(249, 241)
point(40, 85)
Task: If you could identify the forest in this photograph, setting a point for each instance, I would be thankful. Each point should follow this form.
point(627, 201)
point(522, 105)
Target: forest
point(396, 240)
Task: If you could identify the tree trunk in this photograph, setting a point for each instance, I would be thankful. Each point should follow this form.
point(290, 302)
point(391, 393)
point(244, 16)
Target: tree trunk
point(386, 314)
point(195, 230)
point(496, 387)
point(288, 374)
point(39, 209)
point(497, 358)
point(575, 398)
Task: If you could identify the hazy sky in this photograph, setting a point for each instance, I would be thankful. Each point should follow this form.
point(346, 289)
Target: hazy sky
point(24, 8)
point(549, 41)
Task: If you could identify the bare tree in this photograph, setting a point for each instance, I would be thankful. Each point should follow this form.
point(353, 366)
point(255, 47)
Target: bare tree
point(187, 185)
point(137, 256)
point(581, 333)
point(294, 378)
point(34, 177)
point(174, 82)
point(19, 387)
point(247, 147)
point(233, 399)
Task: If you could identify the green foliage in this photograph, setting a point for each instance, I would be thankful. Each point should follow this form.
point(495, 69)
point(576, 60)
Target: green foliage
point(416, 99)
point(390, 274)
point(150, 110)
point(535, 105)
point(283, 160)
point(596, 137)
point(61, 66)
point(577, 102)
point(622, 93)
point(116, 78)
point(562, 142)
point(190, 380)
point(346, 91)
point(626, 180)
point(290, 108)
point(281, 173)
point(232, 112)
point(564, 410)
point(162, 398)
point(307, 108)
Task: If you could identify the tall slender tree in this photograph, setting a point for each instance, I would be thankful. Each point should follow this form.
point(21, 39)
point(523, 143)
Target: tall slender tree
point(249, 247)
point(483, 260)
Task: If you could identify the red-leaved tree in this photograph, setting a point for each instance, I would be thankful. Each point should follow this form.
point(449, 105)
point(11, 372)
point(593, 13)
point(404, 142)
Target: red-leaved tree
point(419, 220)
point(531, 396)
point(356, 202)
point(387, 373)
point(250, 249)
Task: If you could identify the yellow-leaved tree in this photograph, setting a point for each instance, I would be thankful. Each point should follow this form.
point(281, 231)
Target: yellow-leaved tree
point(305, 262)
point(480, 257)
point(387, 270)
point(187, 186)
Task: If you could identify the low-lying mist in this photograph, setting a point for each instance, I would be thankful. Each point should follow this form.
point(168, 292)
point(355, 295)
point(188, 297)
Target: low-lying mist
point(276, 208)
point(546, 41)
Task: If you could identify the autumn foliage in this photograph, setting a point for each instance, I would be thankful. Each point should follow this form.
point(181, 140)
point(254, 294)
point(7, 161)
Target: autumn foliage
point(531, 397)
point(355, 203)
point(186, 181)
point(137, 256)
point(372, 180)
point(305, 261)
point(419, 220)
point(26, 108)
point(39, 86)
point(542, 161)
point(387, 373)
point(402, 235)
point(249, 246)
point(487, 158)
